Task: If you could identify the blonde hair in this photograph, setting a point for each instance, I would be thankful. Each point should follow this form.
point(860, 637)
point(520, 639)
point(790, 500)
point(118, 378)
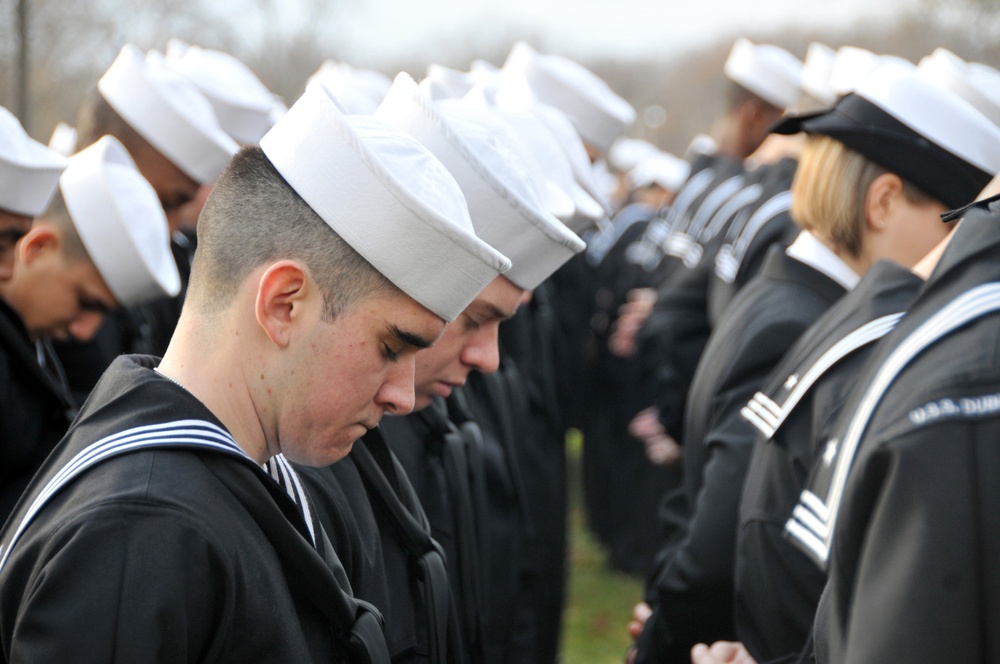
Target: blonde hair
point(830, 190)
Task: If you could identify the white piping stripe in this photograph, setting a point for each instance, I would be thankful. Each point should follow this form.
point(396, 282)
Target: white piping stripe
point(815, 504)
point(125, 441)
point(970, 305)
point(715, 199)
point(762, 410)
point(809, 540)
point(301, 498)
point(755, 420)
point(807, 519)
point(867, 333)
point(769, 403)
point(739, 200)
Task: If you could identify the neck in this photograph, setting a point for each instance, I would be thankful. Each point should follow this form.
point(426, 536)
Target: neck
point(205, 357)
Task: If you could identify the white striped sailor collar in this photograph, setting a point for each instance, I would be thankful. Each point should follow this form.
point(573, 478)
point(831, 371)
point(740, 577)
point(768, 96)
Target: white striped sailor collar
point(808, 249)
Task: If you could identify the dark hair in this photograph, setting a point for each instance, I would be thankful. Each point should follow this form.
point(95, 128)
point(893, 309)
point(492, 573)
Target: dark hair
point(252, 217)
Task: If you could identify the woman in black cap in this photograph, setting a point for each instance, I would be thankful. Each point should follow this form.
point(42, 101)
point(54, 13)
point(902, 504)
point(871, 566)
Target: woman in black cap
point(879, 169)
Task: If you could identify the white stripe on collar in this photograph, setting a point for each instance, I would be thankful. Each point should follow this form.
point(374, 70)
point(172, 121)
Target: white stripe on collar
point(809, 250)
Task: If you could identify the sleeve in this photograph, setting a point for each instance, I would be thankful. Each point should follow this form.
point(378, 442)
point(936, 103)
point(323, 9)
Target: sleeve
point(913, 569)
point(694, 588)
point(130, 585)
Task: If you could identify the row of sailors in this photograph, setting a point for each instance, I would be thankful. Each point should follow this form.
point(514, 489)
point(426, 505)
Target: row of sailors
point(467, 495)
point(192, 511)
point(813, 380)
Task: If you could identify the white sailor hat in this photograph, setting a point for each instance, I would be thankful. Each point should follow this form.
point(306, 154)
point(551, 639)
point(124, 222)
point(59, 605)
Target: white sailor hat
point(388, 197)
point(768, 71)
point(597, 113)
point(482, 153)
point(168, 111)
point(356, 91)
point(449, 83)
point(627, 153)
point(914, 128)
point(556, 169)
point(29, 171)
point(63, 139)
point(662, 169)
point(241, 102)
point(853, 65)
point(980, 87)
point(543, 168)
point(815, 79)
point(121, 223)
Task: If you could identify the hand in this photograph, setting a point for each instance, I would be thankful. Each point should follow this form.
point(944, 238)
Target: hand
point(721, 652)
point(640, 614)
point(631, 317)
point(661, 448)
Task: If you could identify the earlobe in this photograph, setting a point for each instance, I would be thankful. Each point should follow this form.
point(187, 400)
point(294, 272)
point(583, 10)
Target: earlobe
point(283, 295)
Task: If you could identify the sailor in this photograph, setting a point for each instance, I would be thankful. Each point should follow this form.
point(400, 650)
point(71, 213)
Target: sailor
point(902, 177)
point(100, 244)
point(172, 133)
point(30, 176)
point(327, 257)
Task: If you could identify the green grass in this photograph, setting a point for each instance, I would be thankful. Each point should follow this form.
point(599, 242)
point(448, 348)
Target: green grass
point(599, 603)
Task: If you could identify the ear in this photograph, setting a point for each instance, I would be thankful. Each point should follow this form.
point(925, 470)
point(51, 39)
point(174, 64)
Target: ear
point(40, 240)
point(283, 299)
point(880, 200)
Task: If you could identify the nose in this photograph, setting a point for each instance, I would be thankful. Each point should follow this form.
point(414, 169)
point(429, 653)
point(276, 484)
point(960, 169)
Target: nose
point(84, 326)
point(482, 351)
point(396, 395)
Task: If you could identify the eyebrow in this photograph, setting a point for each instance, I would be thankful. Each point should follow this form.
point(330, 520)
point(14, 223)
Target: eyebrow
point(410, 338)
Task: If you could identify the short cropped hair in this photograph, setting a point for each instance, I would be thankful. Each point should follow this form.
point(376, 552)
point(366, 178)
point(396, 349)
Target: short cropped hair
point(831, 187)
point(57, 215)
point(253, 217)
point(737, 96)
point(96, 118)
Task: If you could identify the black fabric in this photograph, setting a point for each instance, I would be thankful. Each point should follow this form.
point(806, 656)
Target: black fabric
point(913, 572)
point(171, 554)
point(777, 587)
point(691, 588)
point(35, 408)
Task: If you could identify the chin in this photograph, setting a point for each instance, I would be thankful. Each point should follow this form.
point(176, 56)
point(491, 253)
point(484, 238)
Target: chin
point(324, 456)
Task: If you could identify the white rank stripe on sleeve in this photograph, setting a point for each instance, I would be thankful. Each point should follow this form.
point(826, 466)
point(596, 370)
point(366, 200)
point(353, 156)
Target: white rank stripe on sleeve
point(765, 414)
point(730, 256)
point(683, 242)
point(814, 520)
point(281, 470)
point(198, 433)
point(740, 200)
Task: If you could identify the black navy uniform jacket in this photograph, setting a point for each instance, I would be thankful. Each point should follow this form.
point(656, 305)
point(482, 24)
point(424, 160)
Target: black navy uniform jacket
point(35, 407)
point(400, 571)
point(777, 586)
point(691, 588)
point(908, 507)
point(180, 554)
point(672, 340)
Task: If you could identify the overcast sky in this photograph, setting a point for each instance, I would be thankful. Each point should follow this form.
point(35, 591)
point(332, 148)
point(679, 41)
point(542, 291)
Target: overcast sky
point(379, 29)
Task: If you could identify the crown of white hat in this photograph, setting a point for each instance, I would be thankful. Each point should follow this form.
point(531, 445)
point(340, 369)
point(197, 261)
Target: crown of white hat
point(121, 223)
point(768, 71)
point(853, 65)
point(662, 169)
point(979, 87)
point(388, 197)
point(29, 171)
point(627, 153)
point(241, 102)
point(597, 113)
point(168, 111)
point(357, 91)
point(63, 139)
point(943, 118)
point(449, 83)
point(544, 169)
point(556, 173)
point(483, 155)
point(816, 71)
